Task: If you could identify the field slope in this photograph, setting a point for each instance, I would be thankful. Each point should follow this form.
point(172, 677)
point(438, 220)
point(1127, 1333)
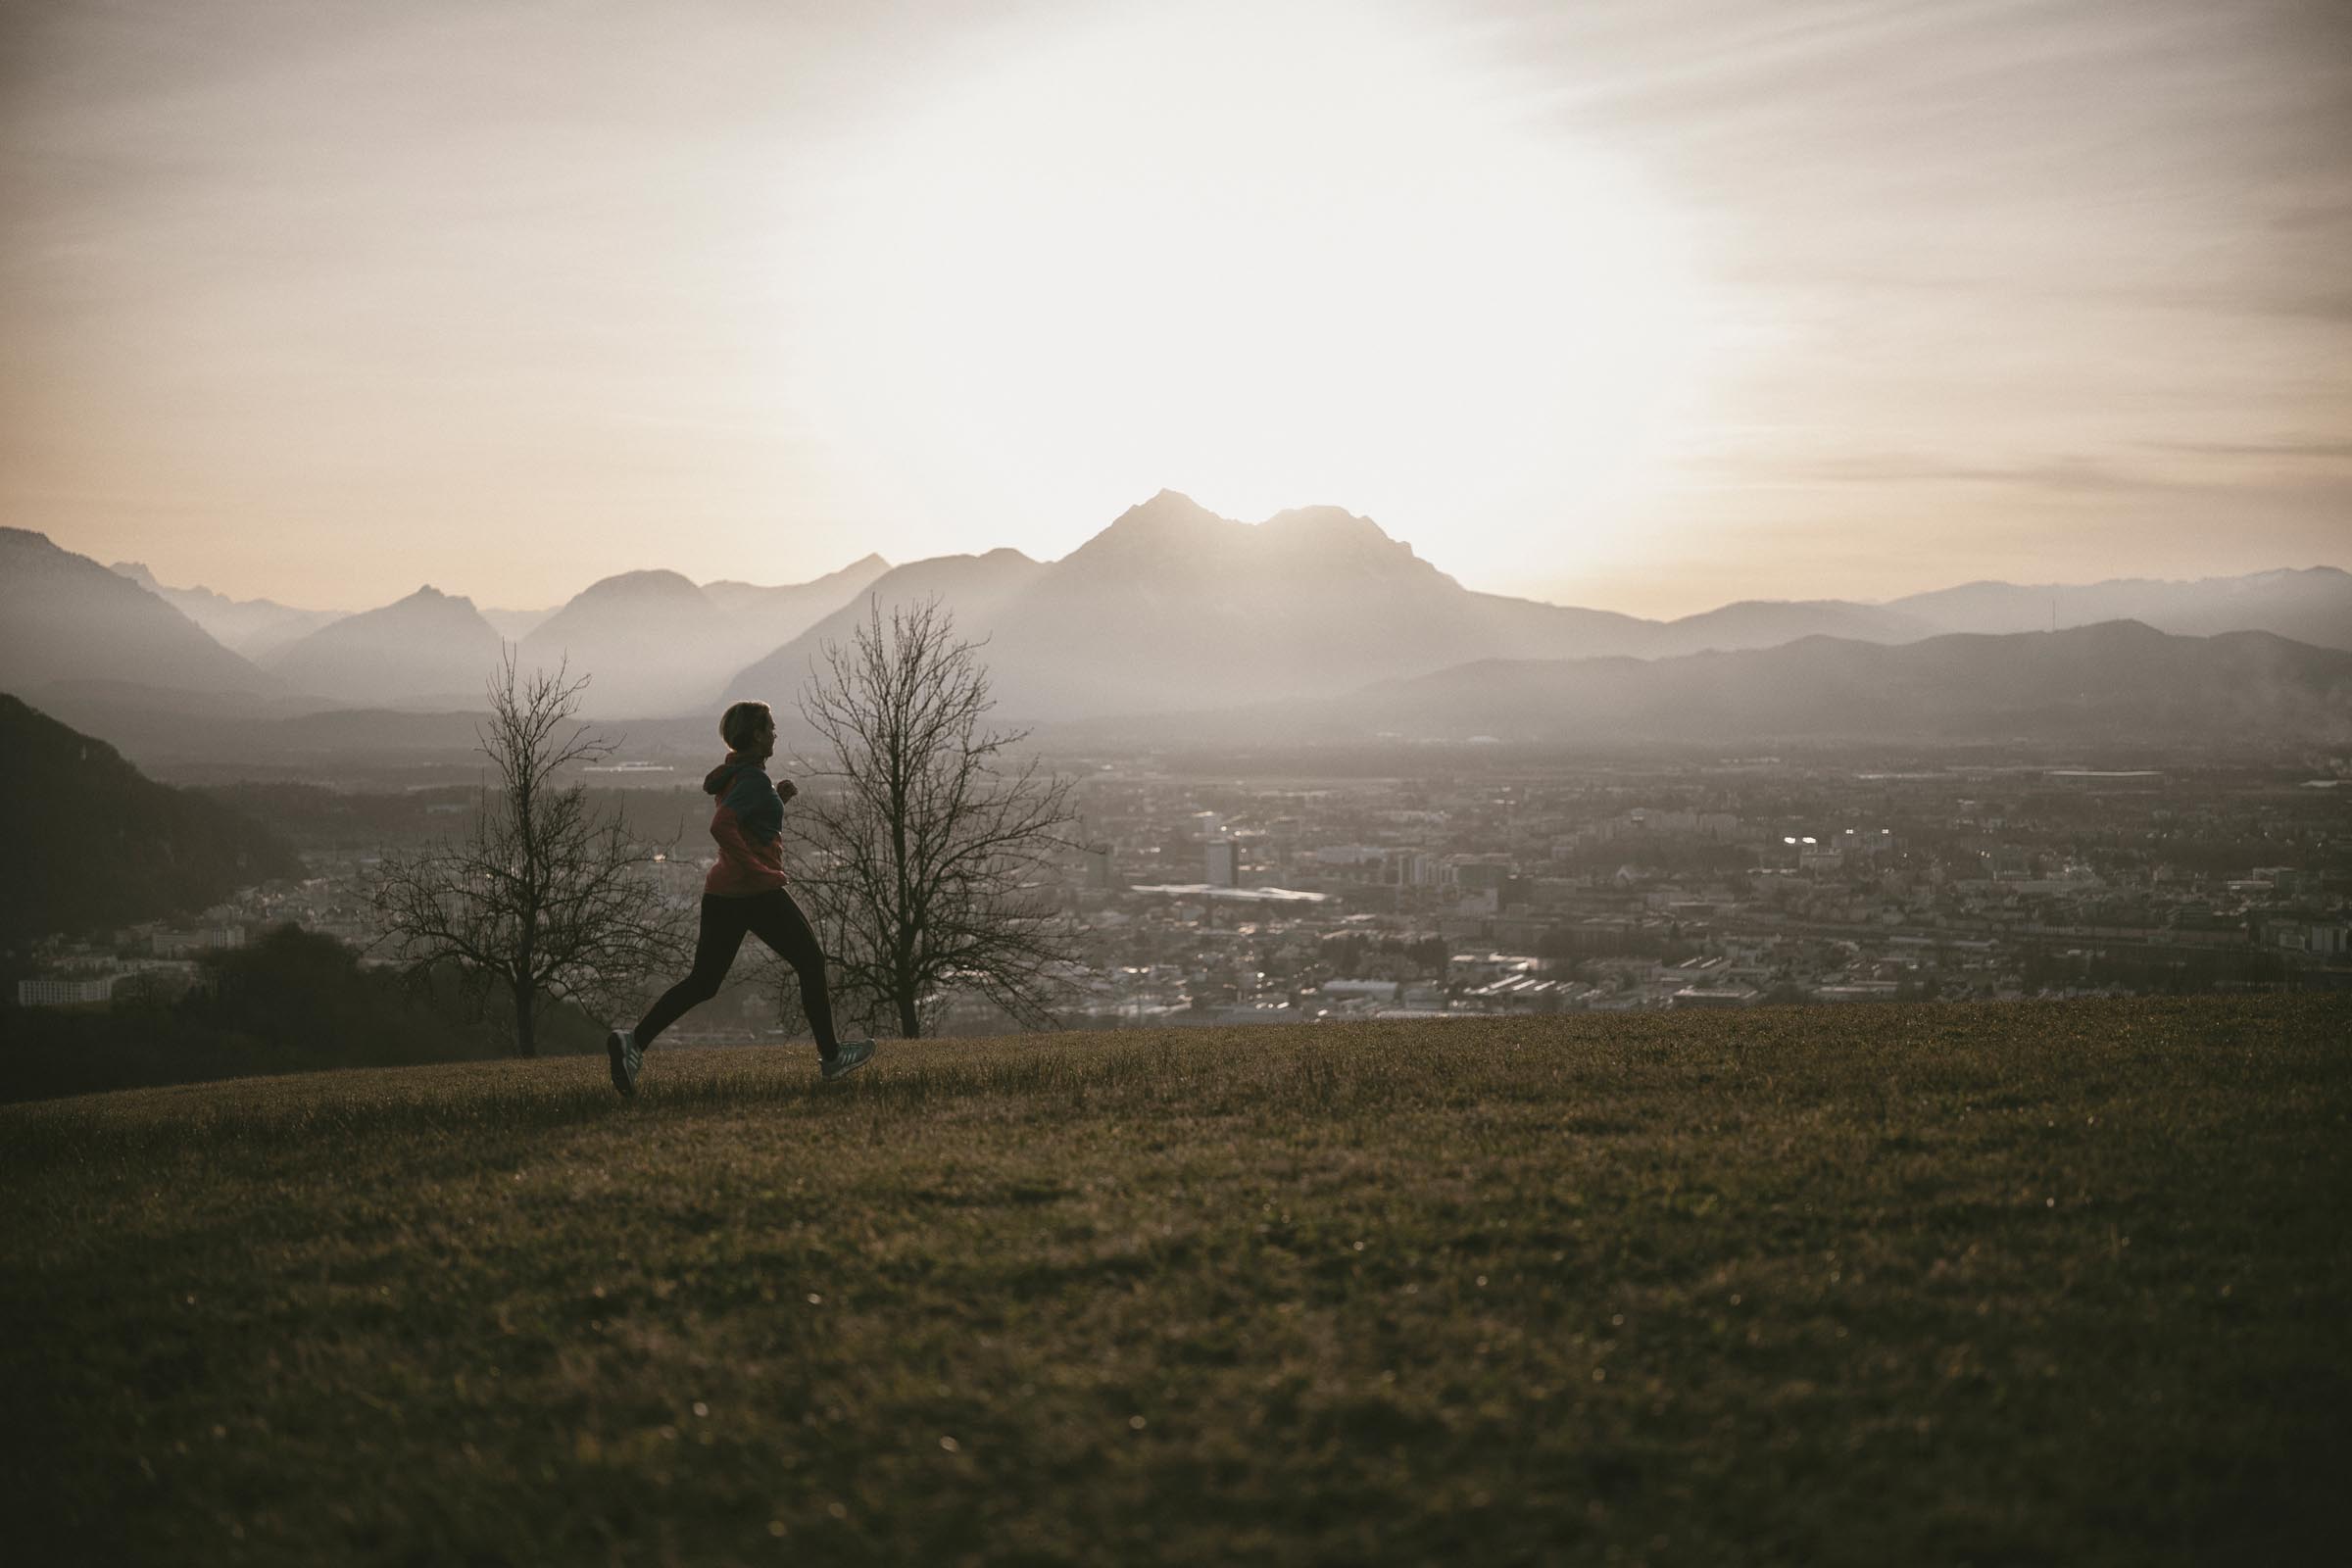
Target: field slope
point(2058, 1283)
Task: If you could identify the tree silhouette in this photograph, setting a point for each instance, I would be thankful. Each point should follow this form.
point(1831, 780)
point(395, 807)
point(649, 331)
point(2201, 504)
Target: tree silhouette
point(926, 856)
point(544, 900)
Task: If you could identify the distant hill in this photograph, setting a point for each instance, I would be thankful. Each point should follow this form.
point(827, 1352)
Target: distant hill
point(63, 617)
point(430, 649)
point(91, 843)
point(194, 737)
point(1770, 622)
point(2311, 606)
point(976, 586)
point(645, 639)
point(654, 643)
point(788, 609)
point(2116, 682)
point(251, 627)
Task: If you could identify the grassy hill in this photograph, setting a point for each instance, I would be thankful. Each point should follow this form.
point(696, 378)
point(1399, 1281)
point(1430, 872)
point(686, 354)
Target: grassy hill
point(2055, 1283)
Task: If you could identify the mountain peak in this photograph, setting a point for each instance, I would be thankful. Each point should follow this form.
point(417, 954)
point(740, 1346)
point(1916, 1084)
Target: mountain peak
point(137, 572)
point(638, 587)
point(1330, 526)
point(1338, 536)
point(1325, 517)
point(1169, 509)
point(1166, 529)
point(428, 646)
point(2121, 630)
point(431, 598)
point(864, 569)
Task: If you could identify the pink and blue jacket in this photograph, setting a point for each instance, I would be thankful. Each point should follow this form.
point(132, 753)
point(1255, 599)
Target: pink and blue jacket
point(749, 826)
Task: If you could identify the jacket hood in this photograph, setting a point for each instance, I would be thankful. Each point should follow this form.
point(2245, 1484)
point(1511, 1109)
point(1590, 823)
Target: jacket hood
point(715, 781)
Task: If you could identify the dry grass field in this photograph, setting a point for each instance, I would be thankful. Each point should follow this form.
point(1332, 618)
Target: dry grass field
point(2043, 1283)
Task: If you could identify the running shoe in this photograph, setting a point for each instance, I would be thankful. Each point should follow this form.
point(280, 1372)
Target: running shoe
point(852, 1054)
point(620, 1047)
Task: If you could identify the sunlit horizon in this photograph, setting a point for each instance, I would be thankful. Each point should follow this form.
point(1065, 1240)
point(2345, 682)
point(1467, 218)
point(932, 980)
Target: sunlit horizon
point(1335, 265)
point(1647, 311)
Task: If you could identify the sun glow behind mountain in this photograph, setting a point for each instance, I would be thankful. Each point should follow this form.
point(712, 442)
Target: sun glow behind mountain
point(1267, 256)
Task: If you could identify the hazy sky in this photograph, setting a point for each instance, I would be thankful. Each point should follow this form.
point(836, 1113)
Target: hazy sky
point(1645, 304)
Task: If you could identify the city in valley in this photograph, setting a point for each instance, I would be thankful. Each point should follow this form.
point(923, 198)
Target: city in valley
point(1434, 882)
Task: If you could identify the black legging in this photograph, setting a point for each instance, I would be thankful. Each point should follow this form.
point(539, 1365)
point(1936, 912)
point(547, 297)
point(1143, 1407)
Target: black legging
point(775, 919)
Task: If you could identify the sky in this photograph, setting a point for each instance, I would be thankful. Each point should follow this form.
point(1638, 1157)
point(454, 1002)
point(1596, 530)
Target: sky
point(1646, 306)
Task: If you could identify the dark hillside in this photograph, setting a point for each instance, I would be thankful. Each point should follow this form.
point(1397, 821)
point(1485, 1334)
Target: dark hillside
point(92, 843)
point(2038, 1283)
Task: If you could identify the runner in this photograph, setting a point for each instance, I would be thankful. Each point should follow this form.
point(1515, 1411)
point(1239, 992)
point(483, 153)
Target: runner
point(743, 894)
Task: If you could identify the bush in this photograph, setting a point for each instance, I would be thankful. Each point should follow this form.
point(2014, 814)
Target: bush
point(293, 1002)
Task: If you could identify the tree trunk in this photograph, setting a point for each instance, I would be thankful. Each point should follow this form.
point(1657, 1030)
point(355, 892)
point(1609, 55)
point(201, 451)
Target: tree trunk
point(911, 1025)
point(527, 1022)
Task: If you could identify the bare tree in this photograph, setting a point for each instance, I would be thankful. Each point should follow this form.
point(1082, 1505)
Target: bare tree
point(544, 901)
point(929, 855)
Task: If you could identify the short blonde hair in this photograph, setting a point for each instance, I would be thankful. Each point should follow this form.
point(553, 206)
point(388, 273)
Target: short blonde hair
point(736, 724)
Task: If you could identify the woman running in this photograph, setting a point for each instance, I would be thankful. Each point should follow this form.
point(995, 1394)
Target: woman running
point(744, 894)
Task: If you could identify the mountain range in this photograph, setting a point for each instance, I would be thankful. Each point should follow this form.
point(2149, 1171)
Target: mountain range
point(1172, 606)
point(2312, 606)
point(651, 642)
point(1171, 610)
point(2117, 682)
point(253, 628)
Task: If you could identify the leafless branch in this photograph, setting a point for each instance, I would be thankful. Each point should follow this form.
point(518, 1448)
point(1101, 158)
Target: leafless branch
point(544, 899)
point(927, 855)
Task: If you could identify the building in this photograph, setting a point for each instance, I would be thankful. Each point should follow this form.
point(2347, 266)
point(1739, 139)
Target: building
point(1373, 989)
point(65, 992)
point(1715, 995)
point(1415, 868)
point(1482, 875)
point(1485, 968)
point(180, 944)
